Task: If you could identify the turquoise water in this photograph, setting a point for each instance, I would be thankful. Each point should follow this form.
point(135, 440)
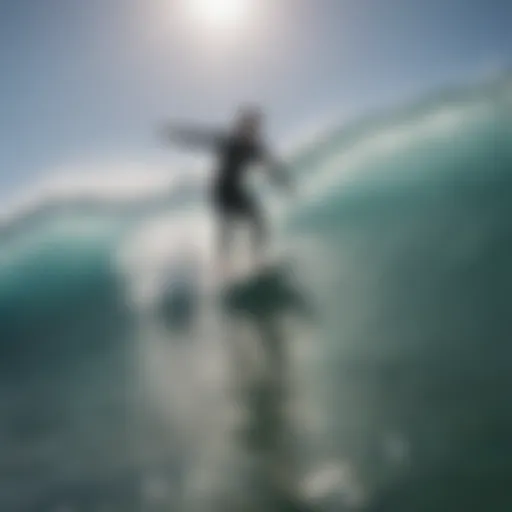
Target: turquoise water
point(402, 242)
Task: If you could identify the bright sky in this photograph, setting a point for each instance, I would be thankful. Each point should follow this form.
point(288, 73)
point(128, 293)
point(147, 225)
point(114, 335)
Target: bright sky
point(90, 80)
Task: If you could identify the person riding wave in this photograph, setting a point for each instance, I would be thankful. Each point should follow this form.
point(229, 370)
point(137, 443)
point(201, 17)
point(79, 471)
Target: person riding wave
point(236, 151)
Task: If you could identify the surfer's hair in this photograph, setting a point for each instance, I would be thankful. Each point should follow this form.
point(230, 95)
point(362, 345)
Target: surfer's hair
point(249, 112)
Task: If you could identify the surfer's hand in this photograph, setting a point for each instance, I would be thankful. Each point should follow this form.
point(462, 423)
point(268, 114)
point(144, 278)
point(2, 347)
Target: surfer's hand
point(283, 180)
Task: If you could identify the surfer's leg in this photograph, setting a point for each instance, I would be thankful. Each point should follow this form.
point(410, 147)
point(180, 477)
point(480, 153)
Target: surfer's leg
point(259, 231)
point(258, 228)
point(225, 235)
point(223, 213)
point(224, 240)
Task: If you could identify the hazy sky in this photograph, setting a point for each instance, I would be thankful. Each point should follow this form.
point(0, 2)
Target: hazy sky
point(89, 80)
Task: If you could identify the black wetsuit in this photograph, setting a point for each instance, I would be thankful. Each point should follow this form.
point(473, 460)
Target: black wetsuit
point(235, 155)
point(229, 195)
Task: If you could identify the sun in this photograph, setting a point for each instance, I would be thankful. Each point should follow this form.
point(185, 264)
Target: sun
point(219, 14)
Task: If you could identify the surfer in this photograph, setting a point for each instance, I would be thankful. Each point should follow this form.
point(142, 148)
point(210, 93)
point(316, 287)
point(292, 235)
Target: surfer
point(236, 151)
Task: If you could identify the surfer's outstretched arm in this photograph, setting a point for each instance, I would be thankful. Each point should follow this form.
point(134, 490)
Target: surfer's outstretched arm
point(192, 136)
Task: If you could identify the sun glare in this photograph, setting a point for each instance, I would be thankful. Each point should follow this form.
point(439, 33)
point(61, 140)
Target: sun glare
point(219, 14)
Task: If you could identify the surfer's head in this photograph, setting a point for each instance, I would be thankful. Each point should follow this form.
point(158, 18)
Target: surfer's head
point(248, 123)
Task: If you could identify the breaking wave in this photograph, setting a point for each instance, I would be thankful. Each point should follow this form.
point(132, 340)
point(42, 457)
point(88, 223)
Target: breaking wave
point(403, 239)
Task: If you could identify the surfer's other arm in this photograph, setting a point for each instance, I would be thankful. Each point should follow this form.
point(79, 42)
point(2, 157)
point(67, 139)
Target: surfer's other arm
point(192, 136)
point(278, 170)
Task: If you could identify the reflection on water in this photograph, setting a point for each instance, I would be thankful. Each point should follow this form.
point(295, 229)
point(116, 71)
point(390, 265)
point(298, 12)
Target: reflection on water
point(259, 453)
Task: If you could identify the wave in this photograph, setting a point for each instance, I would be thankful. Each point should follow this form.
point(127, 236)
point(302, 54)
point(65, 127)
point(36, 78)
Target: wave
point(404, 221)
point(133, 194)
